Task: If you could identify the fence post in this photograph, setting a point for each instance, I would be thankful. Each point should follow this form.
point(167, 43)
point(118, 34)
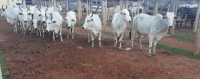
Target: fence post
point(103, 14)
point(155, 7)
point(1, 76)
point(197, 42)
point(197, 19)
point(79, 12)
point(175, 7)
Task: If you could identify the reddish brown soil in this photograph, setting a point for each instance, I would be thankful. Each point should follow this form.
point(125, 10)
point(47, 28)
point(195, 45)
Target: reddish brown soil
point(41, 58)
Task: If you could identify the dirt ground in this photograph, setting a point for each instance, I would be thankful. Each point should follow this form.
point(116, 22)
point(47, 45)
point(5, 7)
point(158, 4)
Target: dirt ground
point(41, 58)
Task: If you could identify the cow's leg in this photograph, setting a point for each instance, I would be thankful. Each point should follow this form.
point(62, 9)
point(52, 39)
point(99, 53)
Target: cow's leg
point(68, 31)
point(15, 27)
point(92, 38)
point(88, 35)
point(120, 40)
point(132, 38)
point(42, 31)
point(61, 39)
point(115, 37)
point(53, 35)
point(154, 46)
point(140, 41)
point(72, 30)
point(99, 39)
point(150, 44)
point(185, 22)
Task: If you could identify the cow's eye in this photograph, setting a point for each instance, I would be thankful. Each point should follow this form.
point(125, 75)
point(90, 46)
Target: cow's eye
point(92, 20)
point(29, 13)
point(20, 13)
point(73, 20)
point(39, 15)
point(88, 20)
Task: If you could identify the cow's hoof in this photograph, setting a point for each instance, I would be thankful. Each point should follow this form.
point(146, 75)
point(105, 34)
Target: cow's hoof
point(119, 47)
point(154, 54)
point(149, 55)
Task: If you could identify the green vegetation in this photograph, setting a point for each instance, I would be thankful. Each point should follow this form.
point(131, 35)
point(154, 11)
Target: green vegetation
point(183, 37)
point(186, 53)
point(5, 73)
point(108, 33)
point(183, 52)
point(86, 64)
point(108, 24)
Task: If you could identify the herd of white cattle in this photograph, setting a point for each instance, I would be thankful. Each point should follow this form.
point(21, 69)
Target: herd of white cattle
point(48, 19)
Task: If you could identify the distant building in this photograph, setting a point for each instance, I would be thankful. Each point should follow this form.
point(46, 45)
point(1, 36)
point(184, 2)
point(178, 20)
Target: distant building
point(10, 2)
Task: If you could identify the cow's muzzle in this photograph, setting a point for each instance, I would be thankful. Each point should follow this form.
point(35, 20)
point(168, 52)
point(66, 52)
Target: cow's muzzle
point(170, 27)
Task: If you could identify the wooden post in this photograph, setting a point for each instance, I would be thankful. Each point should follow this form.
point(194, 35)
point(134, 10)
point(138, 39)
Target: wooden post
point(54, 3)
point(155, 7)
point(79, 12)
point(8, 2)
point(103, 14)
point(24, 3)
point(121, 4)
point(87, 7)
point(175, 7)
point(127, 3)
point(197, 19)
point(197, 41)
point(1, 76)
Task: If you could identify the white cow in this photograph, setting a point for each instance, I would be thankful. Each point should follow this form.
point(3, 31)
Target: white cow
point(119, 24)
point(39, 19)
point(154, 26)
point(23, 19)
point(31, 10)
point(11, 15)
point(54, 23)
point(71, 20)
point(93, 25)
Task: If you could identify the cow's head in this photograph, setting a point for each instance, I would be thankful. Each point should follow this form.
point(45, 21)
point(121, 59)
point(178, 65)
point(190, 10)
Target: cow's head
point(49, 24)
point(126, 15)
point(24, 14)
point(89, 21)
point(41, 14)
point(70, 18)
point(170, 18)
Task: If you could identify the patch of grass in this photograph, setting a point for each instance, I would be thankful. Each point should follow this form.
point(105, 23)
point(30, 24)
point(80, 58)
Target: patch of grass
point(108, 33)
point(186, 53)
point(183, 37)
point(108, 24)
point(5, 73)
point(86, 64)
point(183, 52)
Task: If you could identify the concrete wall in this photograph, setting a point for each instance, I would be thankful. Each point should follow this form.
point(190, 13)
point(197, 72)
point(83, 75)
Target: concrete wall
point(11, 2)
